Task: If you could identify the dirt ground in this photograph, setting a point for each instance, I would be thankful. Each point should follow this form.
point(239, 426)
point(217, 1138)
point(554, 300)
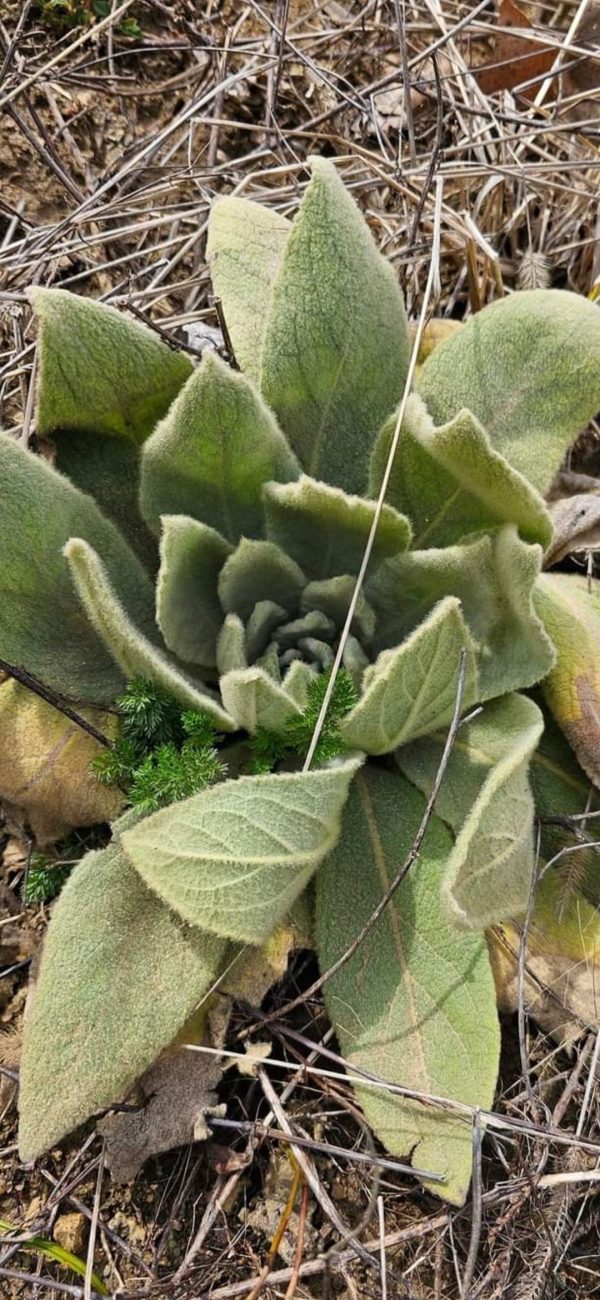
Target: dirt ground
point(120, 124)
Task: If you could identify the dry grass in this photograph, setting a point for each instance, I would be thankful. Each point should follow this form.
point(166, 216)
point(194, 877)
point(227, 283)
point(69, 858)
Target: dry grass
point(112, 148)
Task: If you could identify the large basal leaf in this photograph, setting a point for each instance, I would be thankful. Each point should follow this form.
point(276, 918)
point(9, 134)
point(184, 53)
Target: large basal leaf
point(188, 610)
point(211, 455)
point(234, 858)
point(103, 382)
point(244, 250)
point(336, 345)
point(42, 624)
point(326, 531)
point(45, 776)
point(570, 610)
point(451, 481)
point(119, 975)
point(493, 577)
point(528, 367)
point(486, 798)
point(411, 690)
point(415, 1004)
point(99, 371)
point(136, 655)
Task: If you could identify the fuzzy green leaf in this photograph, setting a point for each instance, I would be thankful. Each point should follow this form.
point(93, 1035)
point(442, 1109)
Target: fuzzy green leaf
point(119, 975)
point(231, 646)
point(255, 701)
point(135, 654)
point(486, 798)
point(493, 577)
point(528, 367)
point(259, 571)
point(411, 690)
point(451, 481)
point(99, 371)
point(188, 610)
point(42, 625)
point(234, 858)
point(244, 249)
point(416, 1003)
point(211, 455)
point(325, 530)
point(333, 596)
point(109, 470)
point(570, 610)
point(336, 345)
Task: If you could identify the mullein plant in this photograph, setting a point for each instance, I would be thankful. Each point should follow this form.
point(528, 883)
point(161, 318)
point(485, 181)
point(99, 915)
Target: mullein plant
point(201, 529)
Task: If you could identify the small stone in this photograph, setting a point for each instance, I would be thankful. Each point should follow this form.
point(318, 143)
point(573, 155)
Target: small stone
point(69, 1231)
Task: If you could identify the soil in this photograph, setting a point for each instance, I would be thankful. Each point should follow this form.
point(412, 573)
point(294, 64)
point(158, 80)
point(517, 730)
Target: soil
point(107, 170)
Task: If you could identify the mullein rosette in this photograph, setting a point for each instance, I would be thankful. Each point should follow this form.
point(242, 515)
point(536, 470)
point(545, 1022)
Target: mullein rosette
point(203, 528)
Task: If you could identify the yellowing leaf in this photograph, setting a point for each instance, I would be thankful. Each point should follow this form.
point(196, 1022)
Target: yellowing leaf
point(562, 973)
point(45, 758)
point(571, 615)
point(415, 1004)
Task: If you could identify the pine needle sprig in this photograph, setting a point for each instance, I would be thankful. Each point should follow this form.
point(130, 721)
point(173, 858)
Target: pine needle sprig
point(268, 748)
point(164, 753)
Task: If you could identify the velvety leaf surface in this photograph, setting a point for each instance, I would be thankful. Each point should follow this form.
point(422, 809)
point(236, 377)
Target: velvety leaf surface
point(188, 610)
point(254, 700)
point(109, 470)
point(326, 531)
point(99, 371)
point(451, 481)
point(233, 858)
point(336, 344)
point(493, 577)
point(211, 455)
point(45, 766)
point(571, 616)
point(135, 654)
point(528, 367)
point(486, 798)
point(411, 690)
point(416, 1003)
point(333, 597)
point(119, 975)
point(244, 250)
point(259, 571)
point(42, 624)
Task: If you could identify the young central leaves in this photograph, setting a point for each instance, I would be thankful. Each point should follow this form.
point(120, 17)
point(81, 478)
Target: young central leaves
point(201, 528)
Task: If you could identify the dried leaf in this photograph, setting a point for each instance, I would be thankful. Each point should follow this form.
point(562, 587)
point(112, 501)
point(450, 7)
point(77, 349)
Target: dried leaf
point(576, 521)
point(516, 59)
point(45, 777)
point(177, 1096)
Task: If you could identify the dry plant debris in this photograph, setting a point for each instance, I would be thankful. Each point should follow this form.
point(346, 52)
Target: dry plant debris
point(113, 147)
